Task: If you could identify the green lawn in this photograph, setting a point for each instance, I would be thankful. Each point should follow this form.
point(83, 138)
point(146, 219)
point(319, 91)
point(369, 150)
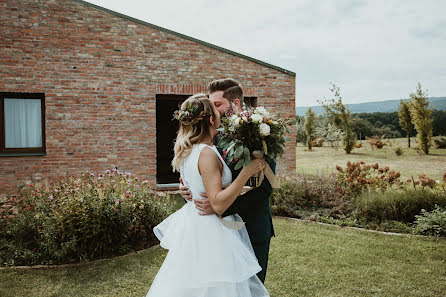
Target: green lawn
point(306, 259)
point(323, 160)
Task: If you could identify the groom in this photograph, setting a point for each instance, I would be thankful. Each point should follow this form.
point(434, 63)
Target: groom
point(254, 206)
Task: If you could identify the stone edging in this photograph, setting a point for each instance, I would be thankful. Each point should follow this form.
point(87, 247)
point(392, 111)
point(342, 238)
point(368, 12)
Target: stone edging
point(362, 229)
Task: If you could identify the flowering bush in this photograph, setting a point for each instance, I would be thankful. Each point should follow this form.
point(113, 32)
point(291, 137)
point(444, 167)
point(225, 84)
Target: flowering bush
point(79, 218)
point(318, 142)
point(358, 176)
point(425, 181)
point(358, 144)
point(375, 142)
point(250, 130)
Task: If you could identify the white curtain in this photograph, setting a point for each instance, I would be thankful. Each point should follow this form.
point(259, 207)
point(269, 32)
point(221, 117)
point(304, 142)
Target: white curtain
point(23, 123)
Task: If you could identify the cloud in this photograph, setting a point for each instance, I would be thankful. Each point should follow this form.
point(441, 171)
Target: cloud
point(375, 50)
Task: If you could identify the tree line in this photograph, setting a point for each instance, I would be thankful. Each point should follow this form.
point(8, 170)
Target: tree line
point(415, 118)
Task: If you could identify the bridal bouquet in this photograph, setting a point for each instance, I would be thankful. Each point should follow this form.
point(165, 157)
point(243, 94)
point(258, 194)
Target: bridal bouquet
point(254, 132)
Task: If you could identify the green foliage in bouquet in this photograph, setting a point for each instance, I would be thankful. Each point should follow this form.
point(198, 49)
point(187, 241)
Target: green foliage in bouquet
point(79, 218)
point(253, 129)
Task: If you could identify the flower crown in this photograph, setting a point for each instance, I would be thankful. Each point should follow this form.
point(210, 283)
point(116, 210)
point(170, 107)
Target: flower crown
point(187, 114)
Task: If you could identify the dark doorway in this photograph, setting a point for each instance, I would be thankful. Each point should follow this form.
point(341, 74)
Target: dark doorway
point(250, 101)
point(166, 133)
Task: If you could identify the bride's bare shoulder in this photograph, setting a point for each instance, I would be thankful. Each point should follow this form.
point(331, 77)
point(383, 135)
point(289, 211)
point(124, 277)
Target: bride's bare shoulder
point(208, 160)
point(207, 152)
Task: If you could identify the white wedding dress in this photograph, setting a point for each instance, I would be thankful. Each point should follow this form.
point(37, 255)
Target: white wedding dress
point(205, 258)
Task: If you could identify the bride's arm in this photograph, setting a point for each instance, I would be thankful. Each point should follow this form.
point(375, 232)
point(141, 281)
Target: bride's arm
point(248, 202)
point(210, 169)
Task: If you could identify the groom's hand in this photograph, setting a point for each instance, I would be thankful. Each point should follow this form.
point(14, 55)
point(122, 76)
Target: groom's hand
point(204, 206)
point(184, 191)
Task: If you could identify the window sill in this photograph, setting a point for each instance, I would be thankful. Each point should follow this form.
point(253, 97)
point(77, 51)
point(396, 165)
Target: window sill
point(167, 187)
point(21, 154)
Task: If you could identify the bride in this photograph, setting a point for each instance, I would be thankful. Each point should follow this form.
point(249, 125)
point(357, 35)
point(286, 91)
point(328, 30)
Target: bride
point(208, 256)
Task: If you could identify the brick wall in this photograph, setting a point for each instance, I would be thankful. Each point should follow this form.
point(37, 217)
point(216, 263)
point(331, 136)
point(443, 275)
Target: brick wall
point(100, 74)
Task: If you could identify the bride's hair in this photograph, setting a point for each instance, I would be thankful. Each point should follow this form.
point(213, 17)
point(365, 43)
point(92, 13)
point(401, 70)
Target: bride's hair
point(194, 117)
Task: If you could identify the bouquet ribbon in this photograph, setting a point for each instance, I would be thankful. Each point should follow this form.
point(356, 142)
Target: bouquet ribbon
point(267, 172)
point(235, 225)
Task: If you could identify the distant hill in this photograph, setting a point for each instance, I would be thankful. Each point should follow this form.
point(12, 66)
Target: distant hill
point(439, 103)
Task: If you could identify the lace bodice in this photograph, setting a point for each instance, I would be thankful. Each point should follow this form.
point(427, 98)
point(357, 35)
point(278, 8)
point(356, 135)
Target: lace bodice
point(191, 176)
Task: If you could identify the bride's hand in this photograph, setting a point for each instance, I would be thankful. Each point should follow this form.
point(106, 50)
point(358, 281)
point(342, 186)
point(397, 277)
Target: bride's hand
point(255, 166)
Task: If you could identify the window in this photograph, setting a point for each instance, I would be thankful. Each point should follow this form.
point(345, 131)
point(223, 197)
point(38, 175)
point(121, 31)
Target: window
point(22, 124)
point(250, 101)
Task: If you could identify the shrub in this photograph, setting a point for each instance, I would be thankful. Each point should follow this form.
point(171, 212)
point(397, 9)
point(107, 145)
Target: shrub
point(431, 223)
point(375, 142)
point(358, 176)
point(358, 145)
point(440, 142)
point(318, 142)
point(79, 218)
point(400, 206)
point(424, 181)
point(308, 192)
point(398, 151)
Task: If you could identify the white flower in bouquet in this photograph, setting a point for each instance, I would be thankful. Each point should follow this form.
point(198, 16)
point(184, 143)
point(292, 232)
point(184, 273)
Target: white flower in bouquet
point(262, 111)
point(264, 129)
point(235, 120)
point(256, 118)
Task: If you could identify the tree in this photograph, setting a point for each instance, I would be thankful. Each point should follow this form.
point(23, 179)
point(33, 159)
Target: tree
point(361, 127)
point(405, 119)
point(328, 132)
point(422, 119)
point(309, 126)
point(341, 118)
point(300, 130)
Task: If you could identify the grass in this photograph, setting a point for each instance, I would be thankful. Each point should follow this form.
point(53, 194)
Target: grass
point(323, 160)
point(306, 259)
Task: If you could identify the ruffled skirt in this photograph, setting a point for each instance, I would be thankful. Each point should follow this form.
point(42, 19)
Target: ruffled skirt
point(205, 258)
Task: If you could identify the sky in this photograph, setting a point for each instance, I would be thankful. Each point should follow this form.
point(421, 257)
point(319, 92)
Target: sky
point(373, 50)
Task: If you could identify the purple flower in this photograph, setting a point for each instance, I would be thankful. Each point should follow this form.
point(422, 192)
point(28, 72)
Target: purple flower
point(51, 197)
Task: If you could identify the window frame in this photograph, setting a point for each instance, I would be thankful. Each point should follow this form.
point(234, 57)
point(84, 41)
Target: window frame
point(21, 151)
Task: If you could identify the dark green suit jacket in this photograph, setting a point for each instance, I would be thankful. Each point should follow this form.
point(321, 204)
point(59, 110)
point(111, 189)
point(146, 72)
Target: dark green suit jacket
point(254, 208)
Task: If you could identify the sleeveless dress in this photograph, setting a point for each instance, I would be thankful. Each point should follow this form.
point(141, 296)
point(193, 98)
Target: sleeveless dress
point(205, 258)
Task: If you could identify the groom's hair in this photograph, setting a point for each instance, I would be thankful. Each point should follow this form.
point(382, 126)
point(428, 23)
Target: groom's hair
point(221, 85)
point(233, 93)
point(229, 86)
